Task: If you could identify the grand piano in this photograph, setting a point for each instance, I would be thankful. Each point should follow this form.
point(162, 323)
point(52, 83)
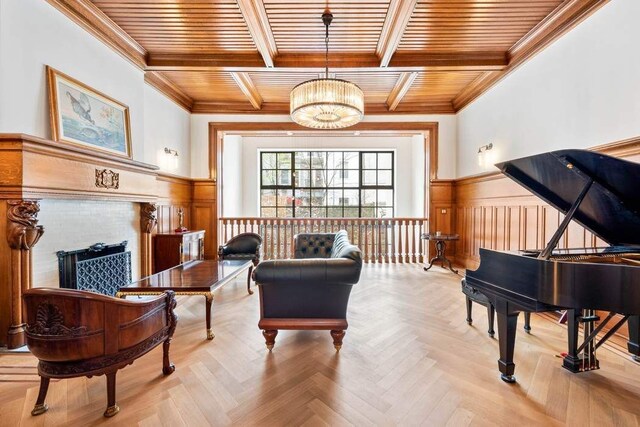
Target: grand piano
point(602, 194)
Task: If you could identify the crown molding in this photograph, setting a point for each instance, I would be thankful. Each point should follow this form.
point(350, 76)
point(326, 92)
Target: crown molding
point(96, 22)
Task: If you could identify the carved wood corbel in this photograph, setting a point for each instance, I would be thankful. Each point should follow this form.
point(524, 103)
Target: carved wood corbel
point(23, 231)
point(148, 219)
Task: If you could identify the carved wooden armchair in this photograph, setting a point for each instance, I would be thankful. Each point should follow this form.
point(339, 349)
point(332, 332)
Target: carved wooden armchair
point(77, 333)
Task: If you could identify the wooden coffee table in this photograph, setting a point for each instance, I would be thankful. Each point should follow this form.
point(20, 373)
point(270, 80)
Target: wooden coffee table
point(192, 278)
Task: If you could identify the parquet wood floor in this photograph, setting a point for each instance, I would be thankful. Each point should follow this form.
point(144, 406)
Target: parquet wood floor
point(409, 358)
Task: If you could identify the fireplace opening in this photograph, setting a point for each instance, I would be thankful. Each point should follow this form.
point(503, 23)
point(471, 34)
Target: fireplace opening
point(99, 268)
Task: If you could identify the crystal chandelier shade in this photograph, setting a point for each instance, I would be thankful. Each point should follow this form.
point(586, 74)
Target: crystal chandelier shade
point(327, 103)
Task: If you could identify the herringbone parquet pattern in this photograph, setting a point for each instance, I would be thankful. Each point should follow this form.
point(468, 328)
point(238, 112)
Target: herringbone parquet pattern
point(409, 358)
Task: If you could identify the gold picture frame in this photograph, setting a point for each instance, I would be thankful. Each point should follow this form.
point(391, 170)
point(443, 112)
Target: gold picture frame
point(85, 117)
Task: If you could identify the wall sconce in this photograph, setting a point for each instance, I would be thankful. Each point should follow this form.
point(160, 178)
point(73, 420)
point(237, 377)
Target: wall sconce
point(171, 158)
point(483, 156)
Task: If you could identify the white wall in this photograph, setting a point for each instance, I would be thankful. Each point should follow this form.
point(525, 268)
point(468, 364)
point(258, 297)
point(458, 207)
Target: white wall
point(583, 90)
point(166, 125)
point(409, 192)
point(200, 136)
point(233, 177)
point(34, 34)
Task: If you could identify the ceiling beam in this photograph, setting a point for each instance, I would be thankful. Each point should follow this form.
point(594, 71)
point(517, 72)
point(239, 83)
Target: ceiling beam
point(398, 15)
point(315, 62)
point(219, 107)
point(200, 62)
point(256, 19)
point(169, 89)
point(244, 82)
point(472, 61)
point(565, 17)
point(400, 90)
point(95, 21)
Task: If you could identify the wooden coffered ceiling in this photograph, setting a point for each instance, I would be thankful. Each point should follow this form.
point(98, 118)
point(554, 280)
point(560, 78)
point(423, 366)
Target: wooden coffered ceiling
point(245, 56)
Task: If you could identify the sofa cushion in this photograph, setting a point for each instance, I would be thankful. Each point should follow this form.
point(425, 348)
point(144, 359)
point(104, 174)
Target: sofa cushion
point(313, 245)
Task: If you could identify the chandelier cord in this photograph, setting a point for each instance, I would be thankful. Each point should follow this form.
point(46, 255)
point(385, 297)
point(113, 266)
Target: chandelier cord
point(326, 54)
point(327, 17)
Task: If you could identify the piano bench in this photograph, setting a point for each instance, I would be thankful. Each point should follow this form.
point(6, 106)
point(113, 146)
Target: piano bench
point(473, 295)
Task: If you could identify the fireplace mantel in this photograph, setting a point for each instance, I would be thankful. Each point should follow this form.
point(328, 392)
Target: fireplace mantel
point(33, 168)
point(36, 168)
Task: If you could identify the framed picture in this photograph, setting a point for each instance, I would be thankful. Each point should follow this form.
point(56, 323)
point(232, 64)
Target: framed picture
point(83, 116)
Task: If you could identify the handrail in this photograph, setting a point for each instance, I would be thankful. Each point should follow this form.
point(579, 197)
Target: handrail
point(381, 240)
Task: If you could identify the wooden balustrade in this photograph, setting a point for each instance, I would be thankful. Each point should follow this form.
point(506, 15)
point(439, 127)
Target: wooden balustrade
point(381, 240)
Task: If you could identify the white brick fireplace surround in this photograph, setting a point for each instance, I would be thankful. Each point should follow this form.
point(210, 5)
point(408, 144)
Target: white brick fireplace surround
point(77, 224)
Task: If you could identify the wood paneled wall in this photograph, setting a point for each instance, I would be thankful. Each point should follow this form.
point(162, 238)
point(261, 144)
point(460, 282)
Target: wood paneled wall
point(197, 198)
point(492, 211)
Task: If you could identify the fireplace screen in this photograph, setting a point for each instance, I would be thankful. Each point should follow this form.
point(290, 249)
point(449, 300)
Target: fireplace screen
point(100, 268)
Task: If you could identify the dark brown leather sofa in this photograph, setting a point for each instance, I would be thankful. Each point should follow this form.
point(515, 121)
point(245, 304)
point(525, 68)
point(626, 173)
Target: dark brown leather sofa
point(312, 290)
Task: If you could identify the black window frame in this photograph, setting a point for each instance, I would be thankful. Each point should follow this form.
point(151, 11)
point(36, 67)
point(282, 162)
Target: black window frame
point(294, 188)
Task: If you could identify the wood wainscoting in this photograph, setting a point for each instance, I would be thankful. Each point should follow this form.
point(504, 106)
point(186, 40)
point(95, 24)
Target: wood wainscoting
point(32, 169)
point(492, 211)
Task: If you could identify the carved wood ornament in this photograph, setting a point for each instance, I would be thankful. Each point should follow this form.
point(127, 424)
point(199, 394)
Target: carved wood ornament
point(106, 178)
point(23, 231)
point(148, 219)
point(50, 321)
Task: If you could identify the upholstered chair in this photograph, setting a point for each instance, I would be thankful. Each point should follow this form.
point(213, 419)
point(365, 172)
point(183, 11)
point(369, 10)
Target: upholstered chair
point(245, 246)
point(310, 291)
point(77, 333)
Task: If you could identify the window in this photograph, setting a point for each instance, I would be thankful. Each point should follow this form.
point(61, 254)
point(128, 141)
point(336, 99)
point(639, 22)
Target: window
point(327, 184)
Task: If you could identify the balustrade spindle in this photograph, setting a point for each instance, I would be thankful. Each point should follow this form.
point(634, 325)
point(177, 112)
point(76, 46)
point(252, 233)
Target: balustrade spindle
point(413, 235)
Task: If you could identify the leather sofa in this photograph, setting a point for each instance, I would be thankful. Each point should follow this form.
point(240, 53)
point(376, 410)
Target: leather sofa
point(310, 291)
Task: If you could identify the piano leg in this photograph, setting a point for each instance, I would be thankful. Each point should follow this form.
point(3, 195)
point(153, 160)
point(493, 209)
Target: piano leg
point(507, 326)
point(491, 312)
point(527, 322)
point(634, 337)
point(469, 304)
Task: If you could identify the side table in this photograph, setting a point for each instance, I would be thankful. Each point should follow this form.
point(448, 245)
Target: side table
point(440, 240)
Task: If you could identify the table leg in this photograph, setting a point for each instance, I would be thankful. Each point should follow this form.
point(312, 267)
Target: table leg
point(450, 266)
point(208, 306)
point(434, 259)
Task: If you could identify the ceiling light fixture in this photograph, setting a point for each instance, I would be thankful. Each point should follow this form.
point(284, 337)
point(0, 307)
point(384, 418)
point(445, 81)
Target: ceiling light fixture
point(327, 103)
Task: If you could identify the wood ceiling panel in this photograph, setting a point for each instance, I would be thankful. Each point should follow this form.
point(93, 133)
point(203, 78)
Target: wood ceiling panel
point(438, 87)
point(406, 55)
point(212, 26)
point(207, 86)
point(472, 25)
point(297, 24)
point(275, 87)
point(375, 85)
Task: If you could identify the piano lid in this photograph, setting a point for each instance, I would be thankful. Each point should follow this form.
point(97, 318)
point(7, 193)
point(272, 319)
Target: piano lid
point(611, 208)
